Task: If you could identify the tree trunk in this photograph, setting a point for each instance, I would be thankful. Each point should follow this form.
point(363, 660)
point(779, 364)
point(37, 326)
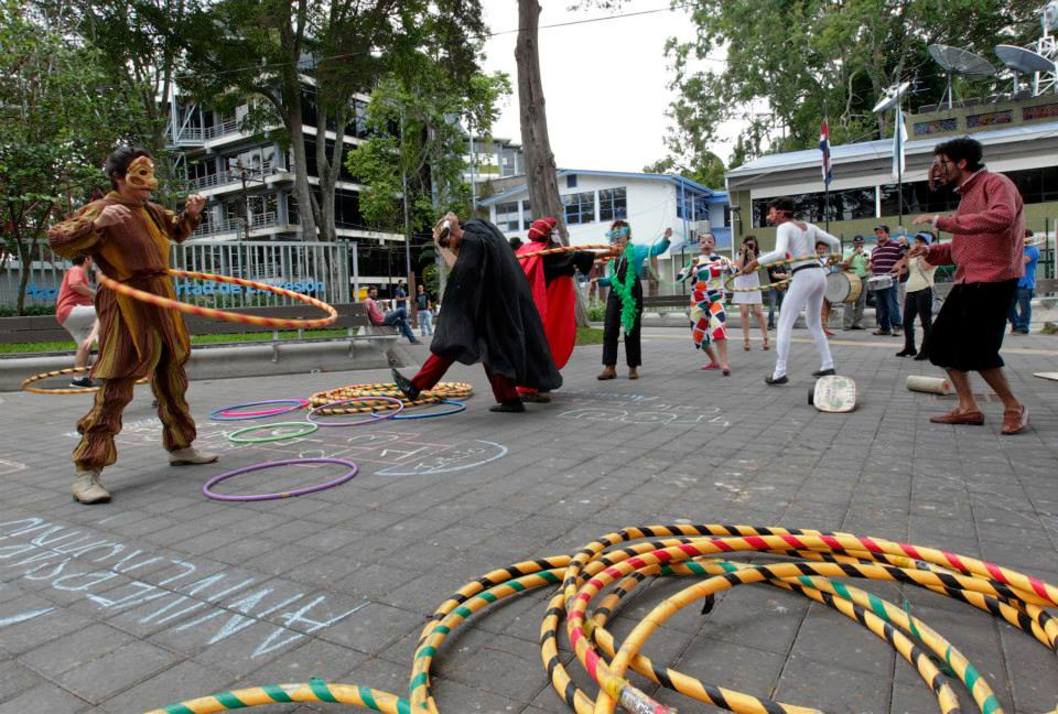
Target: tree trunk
point(290, 40)
point(25, 258)
point(302, 190)
point(540, 170)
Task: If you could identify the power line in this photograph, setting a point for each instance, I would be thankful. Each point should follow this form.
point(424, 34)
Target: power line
point(568, 23)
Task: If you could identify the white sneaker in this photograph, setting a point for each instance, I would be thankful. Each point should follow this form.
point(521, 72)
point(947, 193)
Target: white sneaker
point(189, 456)
point(88, 489)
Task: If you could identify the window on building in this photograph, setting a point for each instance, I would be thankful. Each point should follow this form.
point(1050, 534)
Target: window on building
point(527, 215)
point(507, 216)
point(571, 181)
point(844, 205)
point(580, 207)
point(507, 166)
point(347, 209)
point(613, 204)
point(701, 207)
point(917, 199)
point(1036, 185)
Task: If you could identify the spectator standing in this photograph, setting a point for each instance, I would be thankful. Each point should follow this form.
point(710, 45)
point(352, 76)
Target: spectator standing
point(425, 307)
point(75, 311)
point(400, 297)
point(884, 257)
point(1021, 308)
point(918, 300)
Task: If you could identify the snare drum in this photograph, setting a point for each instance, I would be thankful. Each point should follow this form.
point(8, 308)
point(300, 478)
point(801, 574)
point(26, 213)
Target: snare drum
point(879, 282)
point(843, 287)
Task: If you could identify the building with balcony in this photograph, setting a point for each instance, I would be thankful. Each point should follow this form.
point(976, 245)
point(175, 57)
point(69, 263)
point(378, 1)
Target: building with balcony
point(249, 181)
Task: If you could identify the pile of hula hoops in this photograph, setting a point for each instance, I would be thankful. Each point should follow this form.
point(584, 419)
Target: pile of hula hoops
point(372, 403)
point(378, 402)
point(590, 587)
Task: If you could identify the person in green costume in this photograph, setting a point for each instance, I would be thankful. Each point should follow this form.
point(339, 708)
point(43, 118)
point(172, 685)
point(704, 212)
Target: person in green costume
point(624, 305)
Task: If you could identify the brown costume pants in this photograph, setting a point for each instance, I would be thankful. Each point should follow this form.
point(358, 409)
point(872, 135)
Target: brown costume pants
point(99, 426)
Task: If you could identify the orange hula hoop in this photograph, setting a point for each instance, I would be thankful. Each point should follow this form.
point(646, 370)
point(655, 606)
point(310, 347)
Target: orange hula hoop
point(29, 381)
point(567, 249)
point(226, 315)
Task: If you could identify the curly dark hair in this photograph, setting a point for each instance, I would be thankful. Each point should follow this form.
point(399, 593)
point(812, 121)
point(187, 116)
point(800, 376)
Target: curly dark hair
point(961, 148)
point(117, 164)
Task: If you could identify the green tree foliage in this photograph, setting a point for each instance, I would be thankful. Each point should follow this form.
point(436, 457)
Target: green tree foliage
point(238, 50)
point(416, 124)
point(61, 111)
point(777, 65)
point(707, 169)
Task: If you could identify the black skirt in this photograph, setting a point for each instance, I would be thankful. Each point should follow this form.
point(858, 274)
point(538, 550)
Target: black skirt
point(968, 332)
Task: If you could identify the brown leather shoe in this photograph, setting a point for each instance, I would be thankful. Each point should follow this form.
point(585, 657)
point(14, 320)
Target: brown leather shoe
point(608, 373)
point(957, 417)
point(1015, 420)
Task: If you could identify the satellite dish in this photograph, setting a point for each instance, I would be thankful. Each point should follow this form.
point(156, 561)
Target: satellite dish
point(959, 61)
point(1022, 61)
point(892, 97)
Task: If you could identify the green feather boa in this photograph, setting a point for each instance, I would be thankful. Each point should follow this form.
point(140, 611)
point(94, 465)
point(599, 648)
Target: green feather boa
point(623, 288)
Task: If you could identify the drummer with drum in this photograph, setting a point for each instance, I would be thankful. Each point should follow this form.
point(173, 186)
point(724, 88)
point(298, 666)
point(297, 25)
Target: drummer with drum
point(856, 264)
point(844, 287)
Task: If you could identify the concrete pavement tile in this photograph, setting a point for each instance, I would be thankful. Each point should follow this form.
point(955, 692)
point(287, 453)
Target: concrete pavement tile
point(44, 698)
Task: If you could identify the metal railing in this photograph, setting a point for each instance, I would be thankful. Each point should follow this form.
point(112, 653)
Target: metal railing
point(324, 270)
point(224, 178)
point(230, 126)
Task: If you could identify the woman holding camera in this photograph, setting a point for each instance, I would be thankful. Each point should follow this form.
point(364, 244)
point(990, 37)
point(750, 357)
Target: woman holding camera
point(747, 292)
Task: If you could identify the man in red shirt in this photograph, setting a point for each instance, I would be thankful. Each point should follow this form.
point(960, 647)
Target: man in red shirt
point(75, 311)
point(394, 318)
point(988, 236)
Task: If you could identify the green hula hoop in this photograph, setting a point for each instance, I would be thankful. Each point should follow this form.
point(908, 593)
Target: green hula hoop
point(305, 427)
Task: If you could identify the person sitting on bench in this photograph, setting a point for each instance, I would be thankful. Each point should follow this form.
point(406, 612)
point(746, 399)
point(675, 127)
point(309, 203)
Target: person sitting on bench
point(394, 318)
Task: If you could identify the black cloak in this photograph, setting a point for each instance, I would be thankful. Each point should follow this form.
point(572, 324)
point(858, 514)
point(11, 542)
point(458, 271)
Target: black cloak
point(488, 315)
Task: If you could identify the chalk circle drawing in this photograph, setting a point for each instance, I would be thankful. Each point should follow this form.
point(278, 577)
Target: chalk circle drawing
point(459, 457)
point(624, 416)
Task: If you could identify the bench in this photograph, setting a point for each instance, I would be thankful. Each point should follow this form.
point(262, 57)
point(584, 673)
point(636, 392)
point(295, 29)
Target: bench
point(351, 316)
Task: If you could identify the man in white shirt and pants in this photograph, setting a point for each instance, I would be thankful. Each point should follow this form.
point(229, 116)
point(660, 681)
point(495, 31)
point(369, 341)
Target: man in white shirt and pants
point(797, 239)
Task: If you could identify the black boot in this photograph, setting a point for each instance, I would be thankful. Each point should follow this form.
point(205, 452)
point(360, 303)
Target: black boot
point(405, 385)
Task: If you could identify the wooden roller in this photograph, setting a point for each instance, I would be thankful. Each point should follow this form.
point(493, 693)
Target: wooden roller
point(933, 385)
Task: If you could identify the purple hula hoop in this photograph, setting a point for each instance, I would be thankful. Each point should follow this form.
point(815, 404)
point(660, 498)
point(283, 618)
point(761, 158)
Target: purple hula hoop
point(371, 418)
point(231, 414)
point(208, 493)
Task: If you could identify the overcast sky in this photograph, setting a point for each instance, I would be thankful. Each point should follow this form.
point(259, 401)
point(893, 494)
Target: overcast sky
point(605, 82)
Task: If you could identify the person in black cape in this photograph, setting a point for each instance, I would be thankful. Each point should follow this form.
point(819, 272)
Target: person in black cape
point(487, 315)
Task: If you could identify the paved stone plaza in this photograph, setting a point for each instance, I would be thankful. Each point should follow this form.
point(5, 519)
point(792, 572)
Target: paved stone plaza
point(163, 595)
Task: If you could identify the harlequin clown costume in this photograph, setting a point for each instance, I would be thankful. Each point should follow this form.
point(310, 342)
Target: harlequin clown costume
point(136, 339)
point(708, 318)
point(551, 283)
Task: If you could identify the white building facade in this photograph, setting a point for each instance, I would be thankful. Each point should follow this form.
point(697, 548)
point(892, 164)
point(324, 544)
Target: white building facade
point(650, 203)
